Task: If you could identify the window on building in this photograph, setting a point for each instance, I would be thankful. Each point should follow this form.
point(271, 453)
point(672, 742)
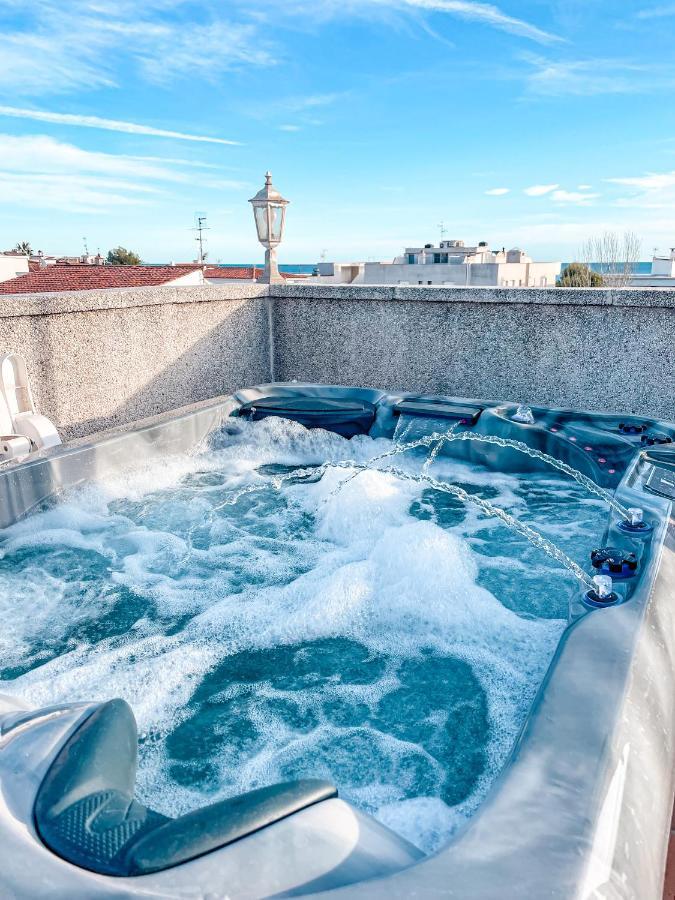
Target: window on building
point(440, 257)
point(428, 282)
point(411, 259)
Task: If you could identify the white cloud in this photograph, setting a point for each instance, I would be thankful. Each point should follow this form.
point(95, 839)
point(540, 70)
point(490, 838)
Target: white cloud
point(79, 121)
point(657, 12)
point(42, 60)
point(538, 190)
point(39, 171)
point(584, 187)
point(497, 192)
point(309, 101)
point(487, 14)
point(39, 153)
point(483, 13)
point(85, 46)
point(651, 181)
point(590, 77)
point(289, 128)
point(654, 190)
point(574, 197)
point(70, 193)
point(57, 51)
point(202, 51)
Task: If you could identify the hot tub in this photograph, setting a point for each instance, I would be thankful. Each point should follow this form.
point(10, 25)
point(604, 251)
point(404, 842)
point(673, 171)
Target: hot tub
point(362, 640)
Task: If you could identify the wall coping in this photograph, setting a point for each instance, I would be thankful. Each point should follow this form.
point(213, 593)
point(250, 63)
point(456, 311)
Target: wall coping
point(124, 298)
point(655, 297)
point(46, 304)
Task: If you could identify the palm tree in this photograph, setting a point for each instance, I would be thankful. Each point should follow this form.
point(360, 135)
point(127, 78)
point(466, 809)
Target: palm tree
point(23, 247)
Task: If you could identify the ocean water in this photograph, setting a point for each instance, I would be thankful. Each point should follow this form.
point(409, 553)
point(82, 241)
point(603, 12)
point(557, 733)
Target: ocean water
point(639, 268)
point(382, 636)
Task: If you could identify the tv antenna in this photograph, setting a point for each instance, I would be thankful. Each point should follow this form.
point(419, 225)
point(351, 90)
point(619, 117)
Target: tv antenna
point(442, 229)
point(200, 228)
point(86, 249)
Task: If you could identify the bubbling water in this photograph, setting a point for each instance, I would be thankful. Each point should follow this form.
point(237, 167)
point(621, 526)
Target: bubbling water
point(386, 636)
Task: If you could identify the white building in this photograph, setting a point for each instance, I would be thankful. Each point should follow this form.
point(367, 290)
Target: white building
point(12, 265)
point(662, 274)
point(450, 263)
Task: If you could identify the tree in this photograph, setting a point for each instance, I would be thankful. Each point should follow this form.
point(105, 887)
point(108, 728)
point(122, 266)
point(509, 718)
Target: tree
point(616, 256)
point(23, 247)
point(120, 256)
point(579, 275)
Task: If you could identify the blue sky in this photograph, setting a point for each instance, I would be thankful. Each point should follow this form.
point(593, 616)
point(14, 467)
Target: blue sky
point(533, 123)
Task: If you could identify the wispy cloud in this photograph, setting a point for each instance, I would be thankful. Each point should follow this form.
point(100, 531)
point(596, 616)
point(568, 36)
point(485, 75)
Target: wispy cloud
point(42, 172)
point(98, 42)
point(593, 77)
point(574, 198)
point(482, 13)
point(657, 12)
point(651, 181)
point(289, 128)
point(50, 52)
point(538, 190)
point(653, 190)
point(487, 14)
point(69, 193)
point(55, 118)
point(203, 51)
point(497, 192)
point(309, 101)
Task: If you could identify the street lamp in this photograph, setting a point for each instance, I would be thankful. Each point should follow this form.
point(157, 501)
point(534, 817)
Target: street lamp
point(269, 211)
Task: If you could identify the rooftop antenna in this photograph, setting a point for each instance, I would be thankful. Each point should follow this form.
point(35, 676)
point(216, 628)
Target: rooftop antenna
point(323, 255)
point(441, 228)
point(86, 249)
point(200, 228)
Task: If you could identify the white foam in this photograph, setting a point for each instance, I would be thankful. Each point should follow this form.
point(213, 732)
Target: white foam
point(362, 568)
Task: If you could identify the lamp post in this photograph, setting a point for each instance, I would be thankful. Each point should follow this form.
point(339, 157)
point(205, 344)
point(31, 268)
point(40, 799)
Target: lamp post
point(269, 212)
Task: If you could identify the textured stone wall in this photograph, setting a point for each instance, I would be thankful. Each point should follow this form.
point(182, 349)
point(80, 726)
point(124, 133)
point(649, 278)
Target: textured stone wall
point(592, 349)
point(103, 358)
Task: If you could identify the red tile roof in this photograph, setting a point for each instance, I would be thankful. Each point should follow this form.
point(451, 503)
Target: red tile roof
point(239, 273)
point(88, 278)
point(243, 273)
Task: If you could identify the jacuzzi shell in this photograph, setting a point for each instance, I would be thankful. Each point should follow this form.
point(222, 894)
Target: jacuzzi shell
point(582, 809)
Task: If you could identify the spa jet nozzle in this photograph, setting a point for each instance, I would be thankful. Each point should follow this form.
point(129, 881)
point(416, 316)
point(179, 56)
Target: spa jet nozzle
point(523, 414)
point(635, 523)
point(602, 594)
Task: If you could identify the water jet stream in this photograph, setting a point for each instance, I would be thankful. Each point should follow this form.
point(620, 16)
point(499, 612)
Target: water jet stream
point(533, 536)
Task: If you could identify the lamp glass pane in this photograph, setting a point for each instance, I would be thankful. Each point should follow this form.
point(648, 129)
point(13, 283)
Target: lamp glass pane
point(277, 222)
point(260, 213)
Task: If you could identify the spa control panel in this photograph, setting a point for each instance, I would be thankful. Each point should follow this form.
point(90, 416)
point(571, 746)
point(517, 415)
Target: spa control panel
point(662, 482)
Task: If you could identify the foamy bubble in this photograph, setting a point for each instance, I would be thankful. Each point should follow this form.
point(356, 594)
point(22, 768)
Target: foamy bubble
point(376, 578)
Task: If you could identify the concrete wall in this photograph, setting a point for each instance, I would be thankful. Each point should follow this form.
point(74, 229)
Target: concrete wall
point(102, 358)
point(592, 349)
